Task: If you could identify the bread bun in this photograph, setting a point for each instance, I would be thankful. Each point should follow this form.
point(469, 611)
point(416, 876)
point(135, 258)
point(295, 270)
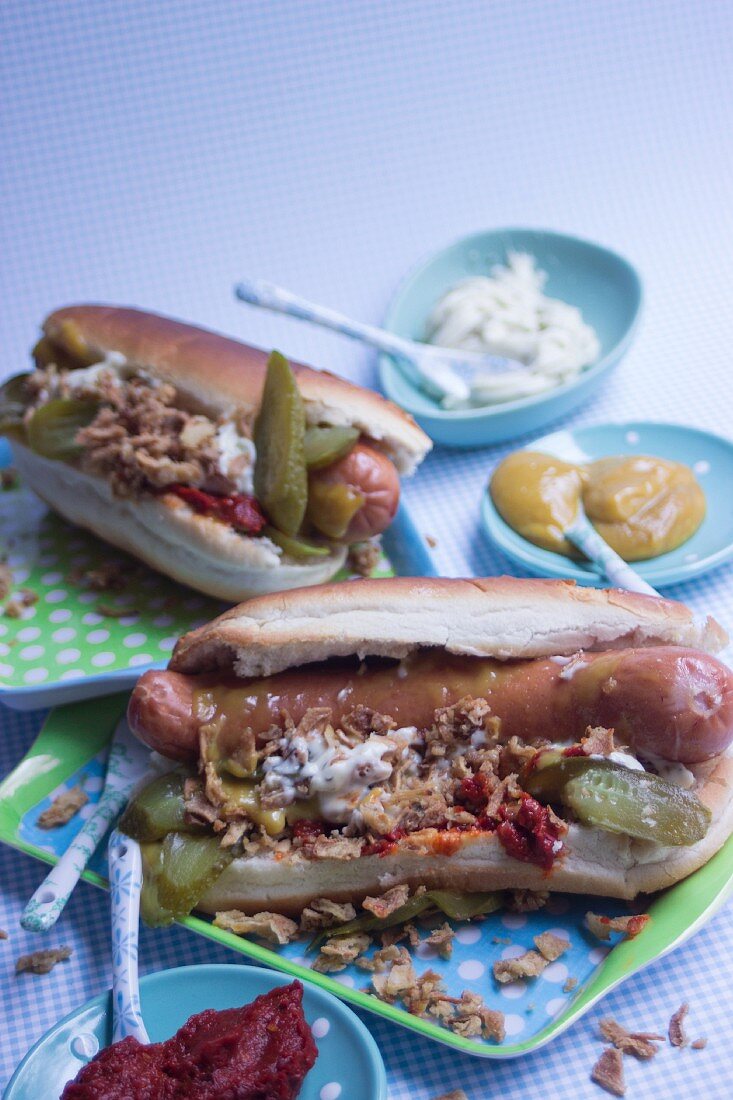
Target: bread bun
point(500, 617)
point(215, 373)
point(169, 536)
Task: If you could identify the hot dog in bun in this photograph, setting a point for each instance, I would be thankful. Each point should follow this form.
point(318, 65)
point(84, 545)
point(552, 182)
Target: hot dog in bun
point(466, 734)
point(234, 473)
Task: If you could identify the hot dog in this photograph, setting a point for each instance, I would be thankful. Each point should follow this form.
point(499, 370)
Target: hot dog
point(195, 452)
point(452, 733)
point(665, 700)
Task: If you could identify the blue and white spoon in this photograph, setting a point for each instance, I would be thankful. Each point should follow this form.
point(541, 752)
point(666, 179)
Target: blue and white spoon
point(125, 883)
point(440, 372)
point(126, 766)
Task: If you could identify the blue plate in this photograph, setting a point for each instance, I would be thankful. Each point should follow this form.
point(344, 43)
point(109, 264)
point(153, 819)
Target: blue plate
point(604, 286)
point(349, 1065)
point(709, 456)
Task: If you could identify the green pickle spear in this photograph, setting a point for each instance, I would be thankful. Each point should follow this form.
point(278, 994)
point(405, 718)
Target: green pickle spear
point(158, 809)
point(280, 474)
point(297, 548)
point(53, 427)
point(324, 445)
point(189, 865)
point(619, 799)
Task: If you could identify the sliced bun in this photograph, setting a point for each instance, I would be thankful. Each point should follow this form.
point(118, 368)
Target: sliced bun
point(593, 862)
point(500, 617)
point(216, 374)
point(168, 535)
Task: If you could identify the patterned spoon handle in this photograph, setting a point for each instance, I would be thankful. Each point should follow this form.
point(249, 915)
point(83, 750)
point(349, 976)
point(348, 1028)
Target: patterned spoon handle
point(47, 903)
point(126, 880)
point(127, 763)
point(443, 380)
point(619, 572)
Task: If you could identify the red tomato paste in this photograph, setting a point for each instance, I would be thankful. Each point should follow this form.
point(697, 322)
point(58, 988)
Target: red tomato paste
point(240, 511)
point(262, 1051)
point(527, 832)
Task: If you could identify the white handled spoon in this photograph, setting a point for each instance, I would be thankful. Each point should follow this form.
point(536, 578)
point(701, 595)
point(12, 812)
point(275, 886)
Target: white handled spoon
point(583, 535)
point(127, 763)
point(125, 883)
point(444, 374)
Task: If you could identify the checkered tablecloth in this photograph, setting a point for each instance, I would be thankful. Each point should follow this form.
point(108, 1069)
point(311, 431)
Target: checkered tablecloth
point(154, 153)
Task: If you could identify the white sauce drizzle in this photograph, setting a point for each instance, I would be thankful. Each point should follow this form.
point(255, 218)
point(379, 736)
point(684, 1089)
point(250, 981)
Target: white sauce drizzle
point(338, 777)
point(236, 457)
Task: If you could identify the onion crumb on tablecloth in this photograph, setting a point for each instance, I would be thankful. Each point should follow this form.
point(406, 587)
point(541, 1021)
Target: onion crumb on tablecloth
point(608, 1072)
point(40, 962)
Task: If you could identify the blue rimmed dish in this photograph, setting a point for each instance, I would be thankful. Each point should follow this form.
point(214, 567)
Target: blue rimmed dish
point(601, 283)
point(709, 456)
point(348, 1065)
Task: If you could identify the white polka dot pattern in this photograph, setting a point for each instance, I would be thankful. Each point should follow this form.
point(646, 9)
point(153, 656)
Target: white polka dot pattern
point(104, 641)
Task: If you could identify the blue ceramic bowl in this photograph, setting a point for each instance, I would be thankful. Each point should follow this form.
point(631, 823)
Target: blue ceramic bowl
point(349, 1064)
point(709, 456)
point(602, 284)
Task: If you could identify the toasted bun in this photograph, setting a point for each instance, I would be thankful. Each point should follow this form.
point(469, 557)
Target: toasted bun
point(216, 374)
point(488, 617)
point(168, 535)
point(593, 862)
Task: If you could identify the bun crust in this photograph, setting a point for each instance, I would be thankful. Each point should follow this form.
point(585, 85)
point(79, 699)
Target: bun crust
point(169, 536)
point(593, 862)
point(216, 373)
point(500, 617)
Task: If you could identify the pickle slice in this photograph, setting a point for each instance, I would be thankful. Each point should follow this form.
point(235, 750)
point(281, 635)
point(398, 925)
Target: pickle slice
point(151, 911)
point(456, 904)
point(158, 810)
point(70, 339)
point(53, 427)
point(13, 401)
point(280, 477)
point(331, 508)
point(296, 547)
point(189, 865)
point(622, 800)
point(323, 446)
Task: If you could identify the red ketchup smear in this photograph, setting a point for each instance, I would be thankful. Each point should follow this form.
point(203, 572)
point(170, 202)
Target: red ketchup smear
point(238, 509)
point(385, 844)
point(473, 792)
point(527, 833)
point(307, 830)
point(262, 1051)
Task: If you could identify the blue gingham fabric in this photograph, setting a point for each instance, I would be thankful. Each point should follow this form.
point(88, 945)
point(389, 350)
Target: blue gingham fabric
point(155, 153)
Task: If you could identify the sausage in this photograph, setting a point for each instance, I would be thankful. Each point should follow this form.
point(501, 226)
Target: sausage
point(661, 700)
point(372, 474)
point(161, 714)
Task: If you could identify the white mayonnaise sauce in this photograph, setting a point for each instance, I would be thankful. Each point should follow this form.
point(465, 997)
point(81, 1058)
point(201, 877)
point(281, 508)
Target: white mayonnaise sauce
point(236, 457)
point(338, 777)
point(672, 771)
point(507, 314)
point(85, 377)
point(622, 758)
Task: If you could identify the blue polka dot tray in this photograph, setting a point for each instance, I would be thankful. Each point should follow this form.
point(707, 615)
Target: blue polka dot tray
point(72, 749)
point(89, 619)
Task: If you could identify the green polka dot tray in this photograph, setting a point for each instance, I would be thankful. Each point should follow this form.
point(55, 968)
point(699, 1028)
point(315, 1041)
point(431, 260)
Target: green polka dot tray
point(72, 750)
point(74, 641)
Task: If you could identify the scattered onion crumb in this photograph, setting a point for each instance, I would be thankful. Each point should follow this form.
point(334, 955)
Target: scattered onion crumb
point(608, 1072)
point(677, 1036)
point(40, 962)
